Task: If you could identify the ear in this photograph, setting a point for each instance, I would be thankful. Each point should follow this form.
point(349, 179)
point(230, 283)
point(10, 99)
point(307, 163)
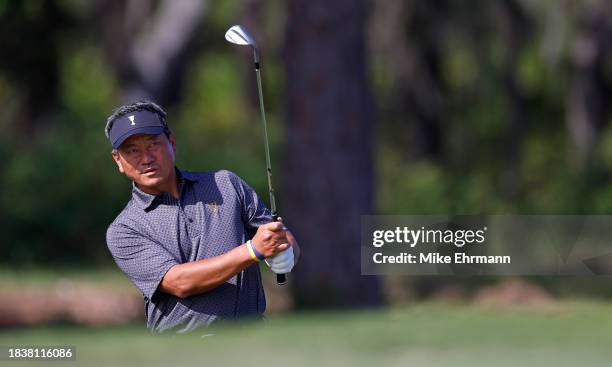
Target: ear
point(172, 139)
point(117, 159)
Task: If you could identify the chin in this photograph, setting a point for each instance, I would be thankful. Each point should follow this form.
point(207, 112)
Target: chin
point(151, 182)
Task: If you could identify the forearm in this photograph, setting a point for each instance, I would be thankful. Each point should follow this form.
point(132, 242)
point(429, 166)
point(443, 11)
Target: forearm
point(195, 277)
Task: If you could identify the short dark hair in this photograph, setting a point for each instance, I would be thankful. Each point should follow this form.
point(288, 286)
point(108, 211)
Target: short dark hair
point(134, 107)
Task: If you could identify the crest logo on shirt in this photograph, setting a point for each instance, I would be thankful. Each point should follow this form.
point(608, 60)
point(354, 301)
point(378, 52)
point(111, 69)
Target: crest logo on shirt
point(212, 206)
point(131, 117)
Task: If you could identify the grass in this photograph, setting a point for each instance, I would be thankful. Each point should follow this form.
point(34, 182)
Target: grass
point(429, 334)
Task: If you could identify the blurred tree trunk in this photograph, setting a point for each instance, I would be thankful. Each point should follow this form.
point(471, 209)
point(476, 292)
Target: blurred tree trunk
point(148, 43)
point(407, 39)
point(589, 93)
point(31, 49)
point(328, 170)
point(516, 30)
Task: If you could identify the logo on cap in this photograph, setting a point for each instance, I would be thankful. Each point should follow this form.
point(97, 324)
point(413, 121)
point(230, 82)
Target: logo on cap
point(132, 119)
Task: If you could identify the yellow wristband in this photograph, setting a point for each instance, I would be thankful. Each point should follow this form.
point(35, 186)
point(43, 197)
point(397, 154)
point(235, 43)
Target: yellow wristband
point(250, 248)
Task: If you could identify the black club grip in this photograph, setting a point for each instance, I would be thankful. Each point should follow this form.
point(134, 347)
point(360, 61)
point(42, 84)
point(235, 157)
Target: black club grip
point(281, 279)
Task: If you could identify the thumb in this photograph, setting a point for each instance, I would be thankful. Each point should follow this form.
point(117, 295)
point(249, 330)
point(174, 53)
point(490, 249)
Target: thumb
point(280, 219)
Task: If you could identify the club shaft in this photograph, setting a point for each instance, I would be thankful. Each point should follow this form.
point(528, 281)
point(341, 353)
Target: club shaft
point(280, 278)
point(267, 144)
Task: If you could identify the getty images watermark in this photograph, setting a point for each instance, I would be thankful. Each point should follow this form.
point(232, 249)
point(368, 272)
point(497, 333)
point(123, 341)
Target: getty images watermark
point(487, 245)
point(424, 236)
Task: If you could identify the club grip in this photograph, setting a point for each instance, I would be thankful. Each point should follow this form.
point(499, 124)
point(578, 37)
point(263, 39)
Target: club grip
point(281, 279)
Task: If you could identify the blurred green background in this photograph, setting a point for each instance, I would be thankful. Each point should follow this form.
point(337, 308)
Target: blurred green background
point(374, 107)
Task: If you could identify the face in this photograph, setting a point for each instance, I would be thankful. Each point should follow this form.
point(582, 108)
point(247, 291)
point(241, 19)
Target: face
point(148, 160)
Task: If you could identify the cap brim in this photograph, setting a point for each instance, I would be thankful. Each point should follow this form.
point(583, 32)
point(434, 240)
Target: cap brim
point(148, 130)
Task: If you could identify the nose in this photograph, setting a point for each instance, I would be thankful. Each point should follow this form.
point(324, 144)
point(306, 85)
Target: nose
point(147, 158)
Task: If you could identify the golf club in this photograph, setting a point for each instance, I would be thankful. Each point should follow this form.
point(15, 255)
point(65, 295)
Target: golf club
point(238, 35)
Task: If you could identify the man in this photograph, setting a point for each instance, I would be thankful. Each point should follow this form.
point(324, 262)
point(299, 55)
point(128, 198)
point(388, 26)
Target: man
point(189, 241)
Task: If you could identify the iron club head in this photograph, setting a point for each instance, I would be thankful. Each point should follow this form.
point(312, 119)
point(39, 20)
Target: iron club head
point(238, 35)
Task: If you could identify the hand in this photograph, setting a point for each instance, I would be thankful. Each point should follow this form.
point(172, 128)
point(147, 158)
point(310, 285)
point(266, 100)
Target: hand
point(270, 239)
point(282, 263)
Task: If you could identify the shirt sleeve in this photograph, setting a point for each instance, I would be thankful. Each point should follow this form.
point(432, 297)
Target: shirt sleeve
point(143, 260)
point(254, 211)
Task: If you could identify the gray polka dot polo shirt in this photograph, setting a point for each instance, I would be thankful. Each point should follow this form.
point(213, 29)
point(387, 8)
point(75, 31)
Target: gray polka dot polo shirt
point(217, 211)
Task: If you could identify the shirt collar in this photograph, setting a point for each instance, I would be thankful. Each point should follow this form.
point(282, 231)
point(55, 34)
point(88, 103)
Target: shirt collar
point(188, 176)
point(145, 201)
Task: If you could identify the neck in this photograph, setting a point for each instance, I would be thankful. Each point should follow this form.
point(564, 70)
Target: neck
point(170, 186)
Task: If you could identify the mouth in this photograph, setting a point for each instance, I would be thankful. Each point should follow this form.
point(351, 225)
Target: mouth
point(149, 170)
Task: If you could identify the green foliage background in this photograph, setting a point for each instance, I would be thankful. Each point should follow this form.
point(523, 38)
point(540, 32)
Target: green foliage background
point(60, 188)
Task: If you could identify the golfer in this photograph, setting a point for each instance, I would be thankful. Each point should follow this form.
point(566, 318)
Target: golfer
point(189, 241)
